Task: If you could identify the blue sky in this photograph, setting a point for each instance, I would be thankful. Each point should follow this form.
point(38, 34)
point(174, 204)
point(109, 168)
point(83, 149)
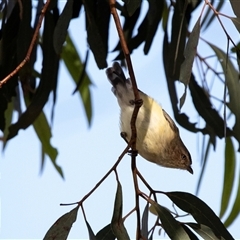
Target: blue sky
point(30, 200)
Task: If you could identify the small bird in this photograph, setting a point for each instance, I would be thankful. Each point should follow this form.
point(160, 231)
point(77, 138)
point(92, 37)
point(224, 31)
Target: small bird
point(158, 138)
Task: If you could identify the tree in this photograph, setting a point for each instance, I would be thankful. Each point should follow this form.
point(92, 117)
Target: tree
point(18, 38)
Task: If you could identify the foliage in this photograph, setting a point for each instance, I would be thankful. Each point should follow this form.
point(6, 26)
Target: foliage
point(19, 52)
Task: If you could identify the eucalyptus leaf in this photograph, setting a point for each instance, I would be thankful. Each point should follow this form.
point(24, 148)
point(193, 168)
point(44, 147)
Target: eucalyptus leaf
point(200, 211)
point(171, 226)
point(61, 29)
point(61, 228)
point(235, 209)
point(189, 54)
point(75, 67)
point(117, 222)
point(229, 175)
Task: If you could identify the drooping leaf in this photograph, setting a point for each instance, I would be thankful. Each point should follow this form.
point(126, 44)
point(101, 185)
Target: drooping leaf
point(154, 15)
point(144, 230)
point(204, 164)
point(77, 4)
point(191, 235)
point(132, 6)
point(95, 40)
point(8, 59)
point(202, 103)
point(181, 118)
point(178, 39)
point(205, 232)
point(233, 86)
point(61, 29)
point(200, 211)
point(235, 7)
point(189, 54)
point(44, 134)
point(74, 65)
point(229, 175)
point(90, 232)
point(8, 121)
point(61, 228)
point(236, 22)
point(47, 82)
point(106, 233)
point(117, 225)
point(235, 209)
point(171, 226)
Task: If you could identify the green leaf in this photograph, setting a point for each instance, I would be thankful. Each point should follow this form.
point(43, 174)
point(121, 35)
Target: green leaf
point(235, 7)
point(90, 232)
point(229, 175)
point(106, 233)
point(236, 22)
point(233, 86)
point(200, 211)
point(204, 164)
point(95, 40)
point(144, 230)
point(47, 83)
point(132, 6)
point(60, 31)
point(61, 228)
point(8, 120)
point(117, 222)
point(189, 54)
point(74, 65)
point(44, 134)
point(154, 15)
point(191, 235)
point(171, 226)
point(235, 209)
point(205, 232)
point(215, 123)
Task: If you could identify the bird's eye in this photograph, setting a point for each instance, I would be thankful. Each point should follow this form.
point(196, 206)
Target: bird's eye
point(184, 157)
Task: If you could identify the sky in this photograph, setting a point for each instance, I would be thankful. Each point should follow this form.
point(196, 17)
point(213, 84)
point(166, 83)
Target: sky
point(29, 200)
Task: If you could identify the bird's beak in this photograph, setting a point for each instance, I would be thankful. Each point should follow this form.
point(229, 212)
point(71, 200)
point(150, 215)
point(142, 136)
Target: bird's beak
point(190, 169)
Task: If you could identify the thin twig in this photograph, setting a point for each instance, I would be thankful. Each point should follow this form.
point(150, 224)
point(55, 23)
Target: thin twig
point(113, 168)
point(138, 104)
point(29, 52)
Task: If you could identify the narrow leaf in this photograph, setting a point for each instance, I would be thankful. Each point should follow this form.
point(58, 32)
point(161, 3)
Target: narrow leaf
point(44, 134)
point(236, 22)
point(200, 211)
point(189, 54)
point(75, 67)
point(171, 226)
point(205, 232)
point(144, 230)
point(47, 83)
point(191, 235)
point(235, 7)
point(90, 232)
point(60, 31)
point(106, 233)
point(61, 228)
point(204, 164)
point(117, 223)
point(132, 6)
point(94, 37)
point(235, 209)
point(233, 86)
point(229, 175)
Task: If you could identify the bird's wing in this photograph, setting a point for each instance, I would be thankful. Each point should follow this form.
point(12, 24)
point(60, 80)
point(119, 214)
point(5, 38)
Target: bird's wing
point(170, 121)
